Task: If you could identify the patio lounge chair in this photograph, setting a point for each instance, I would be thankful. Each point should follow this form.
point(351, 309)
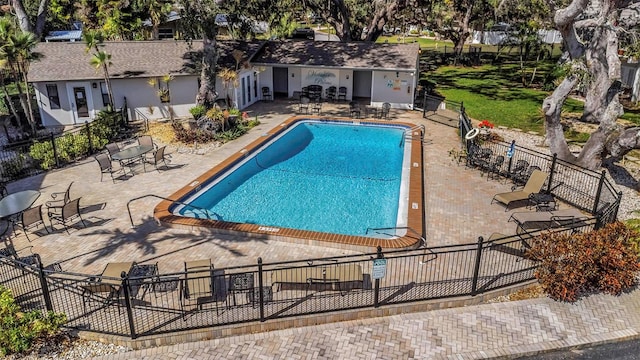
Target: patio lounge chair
point(197, 287)
point(533, 185)
point(527, 222)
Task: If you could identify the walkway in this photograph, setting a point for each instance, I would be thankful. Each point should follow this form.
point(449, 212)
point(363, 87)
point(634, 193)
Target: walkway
point(498, 330)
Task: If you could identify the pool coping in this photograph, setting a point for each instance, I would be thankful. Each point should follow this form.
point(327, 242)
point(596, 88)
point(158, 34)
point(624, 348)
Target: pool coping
point(415, 213)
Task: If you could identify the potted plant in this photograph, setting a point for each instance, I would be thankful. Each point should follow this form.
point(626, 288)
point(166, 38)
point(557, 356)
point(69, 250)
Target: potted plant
point(233, 116)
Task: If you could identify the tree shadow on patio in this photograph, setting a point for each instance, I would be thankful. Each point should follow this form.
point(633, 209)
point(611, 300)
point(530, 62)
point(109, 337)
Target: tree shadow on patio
point(140, 236)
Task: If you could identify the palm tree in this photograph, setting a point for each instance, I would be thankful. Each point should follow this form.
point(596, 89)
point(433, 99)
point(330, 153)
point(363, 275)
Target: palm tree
point(158, 10)
point(6, 27)
point(100, 59)
point(17, 51)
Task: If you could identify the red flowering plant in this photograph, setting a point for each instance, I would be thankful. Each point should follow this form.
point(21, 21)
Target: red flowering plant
point(485, 124)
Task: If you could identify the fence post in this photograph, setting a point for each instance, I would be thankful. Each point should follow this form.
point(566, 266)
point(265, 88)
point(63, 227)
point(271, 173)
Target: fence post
point(551, 171)
point(261, 295)
point(86, 123)
point(476, 269)
point(597, 199)
point(55, 151)
point(376, 287)
point(127, 302)
point(44, 285)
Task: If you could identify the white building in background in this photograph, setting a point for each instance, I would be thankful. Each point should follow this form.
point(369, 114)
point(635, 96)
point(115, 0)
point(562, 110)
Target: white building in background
point(498, 37)
point(630, 73)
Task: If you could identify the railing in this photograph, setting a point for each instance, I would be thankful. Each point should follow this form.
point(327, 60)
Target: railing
point(145, 302)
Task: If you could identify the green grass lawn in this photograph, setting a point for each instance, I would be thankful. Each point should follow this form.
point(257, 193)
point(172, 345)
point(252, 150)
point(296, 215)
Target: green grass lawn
point(495, 93)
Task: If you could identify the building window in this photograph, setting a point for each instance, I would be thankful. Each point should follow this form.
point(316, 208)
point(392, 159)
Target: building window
point(105, 94)
point(165, 33)
point(52, 94)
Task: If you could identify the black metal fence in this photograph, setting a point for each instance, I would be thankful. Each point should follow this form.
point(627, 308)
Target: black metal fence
point(147, 301)
point(580, 187)
point(20, 159)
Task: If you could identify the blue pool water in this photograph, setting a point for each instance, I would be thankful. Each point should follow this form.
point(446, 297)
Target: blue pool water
point(318, 176)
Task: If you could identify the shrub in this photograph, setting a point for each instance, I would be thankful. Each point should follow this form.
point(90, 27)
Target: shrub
point(187, 136)
point(76, 144)
point(19, 330)
point(14, 167)
point(574, 264)
point(198, 111)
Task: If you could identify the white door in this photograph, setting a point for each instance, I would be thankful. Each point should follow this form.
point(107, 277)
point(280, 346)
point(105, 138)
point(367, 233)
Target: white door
point(247, 90)
point(81, 101)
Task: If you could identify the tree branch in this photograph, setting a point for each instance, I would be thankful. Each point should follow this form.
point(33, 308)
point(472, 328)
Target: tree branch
point(564, 17)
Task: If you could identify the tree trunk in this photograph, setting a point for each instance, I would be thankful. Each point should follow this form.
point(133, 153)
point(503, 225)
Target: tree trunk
point(552, 107)
point(207, 93)
point(7, 98)
point(107, 83)
point(22, 16)
point(155, 32)
point(41, 20)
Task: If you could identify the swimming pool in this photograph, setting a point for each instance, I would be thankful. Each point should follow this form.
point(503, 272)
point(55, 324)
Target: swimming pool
point(317, 179)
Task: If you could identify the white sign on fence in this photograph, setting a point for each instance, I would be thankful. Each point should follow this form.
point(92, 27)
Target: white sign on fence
point(379, 268)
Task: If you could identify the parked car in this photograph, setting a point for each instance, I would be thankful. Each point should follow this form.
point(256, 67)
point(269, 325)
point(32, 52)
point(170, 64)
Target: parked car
point(390, 30)
point(303, 33)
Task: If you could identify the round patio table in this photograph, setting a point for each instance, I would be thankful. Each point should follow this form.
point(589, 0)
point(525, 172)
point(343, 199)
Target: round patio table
point(16, 203)
point(126, 156)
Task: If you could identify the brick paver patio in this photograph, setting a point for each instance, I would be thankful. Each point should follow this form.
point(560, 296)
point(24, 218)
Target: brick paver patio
point(457, 206)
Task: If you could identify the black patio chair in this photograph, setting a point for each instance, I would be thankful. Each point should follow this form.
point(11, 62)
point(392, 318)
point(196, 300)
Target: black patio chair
point(384, 111)
point(523, 176)
point(516, 174)
point(303, 106)
point(266, 94)
point(330, 93)
point(354, 110)
point(495, 169)
point(342, 93)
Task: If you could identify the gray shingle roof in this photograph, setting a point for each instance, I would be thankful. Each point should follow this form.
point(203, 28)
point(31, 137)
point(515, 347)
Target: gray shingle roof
point(354, 55)
point(69, 61)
